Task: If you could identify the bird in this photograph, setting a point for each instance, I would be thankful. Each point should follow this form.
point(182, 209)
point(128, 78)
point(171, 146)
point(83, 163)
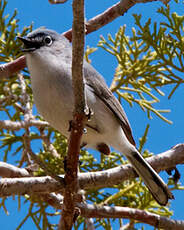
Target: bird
point(49, 61)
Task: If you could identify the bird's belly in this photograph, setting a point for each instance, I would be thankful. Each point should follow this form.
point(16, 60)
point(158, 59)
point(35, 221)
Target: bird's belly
point(59, 118)
point(56, 103)
point(54, 106)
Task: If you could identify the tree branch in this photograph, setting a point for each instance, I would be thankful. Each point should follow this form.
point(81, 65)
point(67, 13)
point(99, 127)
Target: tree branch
point(104, 18)
point(77, 125)
point(91, 180)
point(100, 211)
point(95, 211)
point(8, 69)
point(113, 12)
point(30, 185)
point(17, 125)
point(8, 170)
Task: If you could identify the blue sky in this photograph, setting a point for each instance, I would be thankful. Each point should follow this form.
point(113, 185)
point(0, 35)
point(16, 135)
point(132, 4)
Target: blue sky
point(162, 136)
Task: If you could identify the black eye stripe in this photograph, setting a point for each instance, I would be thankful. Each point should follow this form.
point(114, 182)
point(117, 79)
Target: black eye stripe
point(41, 39)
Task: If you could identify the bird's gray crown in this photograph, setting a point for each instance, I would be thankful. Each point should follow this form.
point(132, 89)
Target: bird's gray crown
point(40, 33)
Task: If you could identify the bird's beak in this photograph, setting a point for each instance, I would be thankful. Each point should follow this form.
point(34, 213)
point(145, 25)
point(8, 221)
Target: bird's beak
point(29, 45)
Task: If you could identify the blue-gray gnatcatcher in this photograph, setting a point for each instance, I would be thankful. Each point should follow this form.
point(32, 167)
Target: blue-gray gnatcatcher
point(49, 60)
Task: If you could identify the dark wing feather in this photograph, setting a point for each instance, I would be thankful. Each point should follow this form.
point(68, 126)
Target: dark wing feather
point(99, 87)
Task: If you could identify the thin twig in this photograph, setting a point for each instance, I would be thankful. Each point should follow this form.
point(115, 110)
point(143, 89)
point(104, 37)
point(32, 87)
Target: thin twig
point(25, 99)
point(49, 145)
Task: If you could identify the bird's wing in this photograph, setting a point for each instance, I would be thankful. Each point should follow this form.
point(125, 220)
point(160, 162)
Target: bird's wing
point(96, 82)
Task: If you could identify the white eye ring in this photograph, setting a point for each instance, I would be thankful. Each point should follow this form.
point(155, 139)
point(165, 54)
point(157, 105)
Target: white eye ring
point(48, 40)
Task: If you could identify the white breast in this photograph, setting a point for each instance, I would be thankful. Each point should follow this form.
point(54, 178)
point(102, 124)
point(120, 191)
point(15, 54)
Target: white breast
point(52, 92)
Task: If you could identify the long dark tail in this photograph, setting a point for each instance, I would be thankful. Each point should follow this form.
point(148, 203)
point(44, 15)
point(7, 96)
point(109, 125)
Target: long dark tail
point(153, 181)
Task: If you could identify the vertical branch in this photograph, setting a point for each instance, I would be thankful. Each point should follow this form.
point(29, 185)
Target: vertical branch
point(78, 32)
point(70, 213)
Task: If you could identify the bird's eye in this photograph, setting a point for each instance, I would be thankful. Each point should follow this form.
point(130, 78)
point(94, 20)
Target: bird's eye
point(48, 40)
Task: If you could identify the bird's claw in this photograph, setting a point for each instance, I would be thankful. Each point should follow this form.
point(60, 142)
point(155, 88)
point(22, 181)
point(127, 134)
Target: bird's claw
point(88, 112)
